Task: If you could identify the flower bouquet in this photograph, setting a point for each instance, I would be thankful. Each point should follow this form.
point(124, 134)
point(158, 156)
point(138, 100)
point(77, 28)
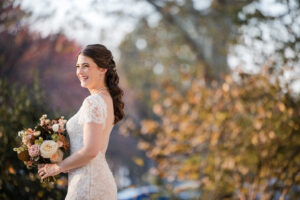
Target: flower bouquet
point(46, 143)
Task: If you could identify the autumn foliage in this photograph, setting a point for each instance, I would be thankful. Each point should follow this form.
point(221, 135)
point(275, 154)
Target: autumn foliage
point(239, 138)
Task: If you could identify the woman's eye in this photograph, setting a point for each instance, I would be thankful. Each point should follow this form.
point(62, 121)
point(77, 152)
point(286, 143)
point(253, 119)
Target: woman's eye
point(83, 66)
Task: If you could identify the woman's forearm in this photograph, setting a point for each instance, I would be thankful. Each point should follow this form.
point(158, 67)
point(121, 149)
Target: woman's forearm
point(77, 159)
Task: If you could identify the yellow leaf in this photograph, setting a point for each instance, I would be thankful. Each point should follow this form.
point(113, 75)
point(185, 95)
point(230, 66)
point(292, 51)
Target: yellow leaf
point(254, 140)
point(225, 87)
point(157, 109)
point(281, 106)
point(258, 124)
point(40, 194)
point(11, 170)
point(271, 135)
point(198, 140)
point(148, 126)
point(154, 95)
point(143, 145)
point(214, 139)
point(138, 161)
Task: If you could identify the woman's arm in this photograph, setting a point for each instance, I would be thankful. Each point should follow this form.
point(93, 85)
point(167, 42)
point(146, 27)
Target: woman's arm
point(92, 143)
point(78, 159)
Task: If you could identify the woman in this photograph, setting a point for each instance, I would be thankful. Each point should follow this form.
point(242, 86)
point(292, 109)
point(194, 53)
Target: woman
point(89, 176)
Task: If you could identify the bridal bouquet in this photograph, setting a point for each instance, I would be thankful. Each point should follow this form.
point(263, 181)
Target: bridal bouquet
point(46, 143)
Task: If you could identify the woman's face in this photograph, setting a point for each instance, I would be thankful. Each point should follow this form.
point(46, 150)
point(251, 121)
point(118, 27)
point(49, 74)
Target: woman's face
point(88, 72)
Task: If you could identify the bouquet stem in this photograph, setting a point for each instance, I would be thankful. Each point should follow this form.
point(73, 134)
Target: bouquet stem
point(49, 179)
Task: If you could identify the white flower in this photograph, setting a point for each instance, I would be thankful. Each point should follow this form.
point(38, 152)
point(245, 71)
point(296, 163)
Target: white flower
point(48, 148)
point(55, 127)
point(26, 139)
point(43, 117)
point(57, 157)
point(20, 133)
point(37, 133)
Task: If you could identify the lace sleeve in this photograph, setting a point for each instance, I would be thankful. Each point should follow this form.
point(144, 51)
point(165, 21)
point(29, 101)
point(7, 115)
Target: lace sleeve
point(93, 110)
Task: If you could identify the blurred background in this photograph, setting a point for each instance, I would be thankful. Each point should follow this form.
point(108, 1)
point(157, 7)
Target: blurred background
point(211, 93)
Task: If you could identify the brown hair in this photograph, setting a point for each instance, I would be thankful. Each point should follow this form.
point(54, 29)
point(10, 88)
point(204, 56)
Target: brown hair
point(104, 59)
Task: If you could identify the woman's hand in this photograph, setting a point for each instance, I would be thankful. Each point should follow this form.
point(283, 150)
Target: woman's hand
point(46, 170)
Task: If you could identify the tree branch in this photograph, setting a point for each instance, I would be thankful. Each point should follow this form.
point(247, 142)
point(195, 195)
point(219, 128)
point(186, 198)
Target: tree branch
point(189, 34)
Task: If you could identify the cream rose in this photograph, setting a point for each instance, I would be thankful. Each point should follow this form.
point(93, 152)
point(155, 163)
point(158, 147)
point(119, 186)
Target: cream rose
point(48, 148)
point(55, 127)
point(37, 133)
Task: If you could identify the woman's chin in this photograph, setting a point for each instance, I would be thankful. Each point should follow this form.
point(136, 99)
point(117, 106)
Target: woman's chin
point(83, 84)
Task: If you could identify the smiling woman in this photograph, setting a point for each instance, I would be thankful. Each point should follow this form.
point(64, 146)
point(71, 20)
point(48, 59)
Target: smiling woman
point(89, 176)
point(88, 73)
point(98, 73)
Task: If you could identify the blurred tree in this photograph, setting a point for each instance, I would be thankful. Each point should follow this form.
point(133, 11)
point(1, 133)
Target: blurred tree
point(239, 140)
point(21, 107)
point(152, 56)
point(22, 102)
point(22, 51)
point(181, 52)
point(210, 30)
point(269, 29)
point(11, 16)
point(191, 45)
point(146, 63)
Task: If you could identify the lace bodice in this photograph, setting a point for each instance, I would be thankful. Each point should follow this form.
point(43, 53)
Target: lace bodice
point(94, 180)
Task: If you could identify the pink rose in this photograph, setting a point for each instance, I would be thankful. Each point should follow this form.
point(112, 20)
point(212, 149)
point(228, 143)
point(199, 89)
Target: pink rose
point(57, 157)
point(34, 150)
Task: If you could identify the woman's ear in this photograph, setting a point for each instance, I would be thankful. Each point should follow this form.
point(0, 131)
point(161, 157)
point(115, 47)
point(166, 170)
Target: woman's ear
point(104, 70)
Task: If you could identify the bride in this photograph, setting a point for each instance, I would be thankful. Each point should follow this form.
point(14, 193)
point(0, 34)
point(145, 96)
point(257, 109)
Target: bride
point(89, 176)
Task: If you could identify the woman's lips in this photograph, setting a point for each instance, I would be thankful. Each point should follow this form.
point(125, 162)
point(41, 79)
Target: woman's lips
point(83, 78)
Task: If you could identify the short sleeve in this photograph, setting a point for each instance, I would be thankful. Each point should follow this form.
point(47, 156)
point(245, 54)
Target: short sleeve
point(93, 110)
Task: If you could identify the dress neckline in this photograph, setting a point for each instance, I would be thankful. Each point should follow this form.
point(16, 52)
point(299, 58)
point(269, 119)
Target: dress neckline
point(102, 99)
point(98, 93)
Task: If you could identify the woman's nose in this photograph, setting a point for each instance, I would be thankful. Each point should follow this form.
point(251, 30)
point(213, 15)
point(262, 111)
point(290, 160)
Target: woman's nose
point(80, 71)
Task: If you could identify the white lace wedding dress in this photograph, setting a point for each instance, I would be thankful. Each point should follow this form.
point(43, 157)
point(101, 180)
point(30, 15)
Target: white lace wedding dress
point(94, 180)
